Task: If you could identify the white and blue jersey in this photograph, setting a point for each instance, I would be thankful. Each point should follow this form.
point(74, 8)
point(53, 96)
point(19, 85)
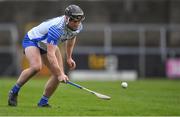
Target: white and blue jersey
point(52, 31)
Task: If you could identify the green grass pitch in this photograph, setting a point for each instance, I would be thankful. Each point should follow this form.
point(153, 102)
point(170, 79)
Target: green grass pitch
point(141, 98)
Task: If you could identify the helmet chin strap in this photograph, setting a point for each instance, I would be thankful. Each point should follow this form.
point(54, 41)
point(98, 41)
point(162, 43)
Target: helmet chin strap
point(70, 28)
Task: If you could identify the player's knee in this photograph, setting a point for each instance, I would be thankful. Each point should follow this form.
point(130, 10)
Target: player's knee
point(36, 68)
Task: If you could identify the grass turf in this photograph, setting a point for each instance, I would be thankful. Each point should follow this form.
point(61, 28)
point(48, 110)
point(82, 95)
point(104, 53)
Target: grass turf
point(141, 98)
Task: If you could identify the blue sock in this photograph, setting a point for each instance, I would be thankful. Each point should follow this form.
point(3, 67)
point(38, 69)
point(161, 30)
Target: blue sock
point(43, 100)
point(16, 88)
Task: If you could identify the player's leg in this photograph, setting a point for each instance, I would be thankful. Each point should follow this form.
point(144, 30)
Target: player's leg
point(50, 87)
point(53, 82)
point(35, 64)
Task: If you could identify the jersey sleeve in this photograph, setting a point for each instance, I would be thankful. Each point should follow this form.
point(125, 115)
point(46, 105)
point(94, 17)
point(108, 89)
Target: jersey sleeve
point(54, 34)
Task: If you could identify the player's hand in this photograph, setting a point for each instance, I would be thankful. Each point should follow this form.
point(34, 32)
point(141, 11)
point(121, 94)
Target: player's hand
point(71, 63)
point(63, 78)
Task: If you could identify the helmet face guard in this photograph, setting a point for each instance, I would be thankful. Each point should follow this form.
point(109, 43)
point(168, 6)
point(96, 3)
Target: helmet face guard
point(77, 18)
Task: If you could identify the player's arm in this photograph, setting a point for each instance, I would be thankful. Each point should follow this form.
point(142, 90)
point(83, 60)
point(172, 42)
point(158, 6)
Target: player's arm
point(51, 50)
point(52, 42)
point(69, 47)
point(69, 50)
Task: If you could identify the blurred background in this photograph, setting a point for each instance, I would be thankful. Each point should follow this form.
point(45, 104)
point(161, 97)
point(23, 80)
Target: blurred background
point(122, 39)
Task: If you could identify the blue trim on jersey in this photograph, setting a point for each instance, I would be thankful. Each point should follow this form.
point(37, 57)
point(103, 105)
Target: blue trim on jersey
point(54, 34)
